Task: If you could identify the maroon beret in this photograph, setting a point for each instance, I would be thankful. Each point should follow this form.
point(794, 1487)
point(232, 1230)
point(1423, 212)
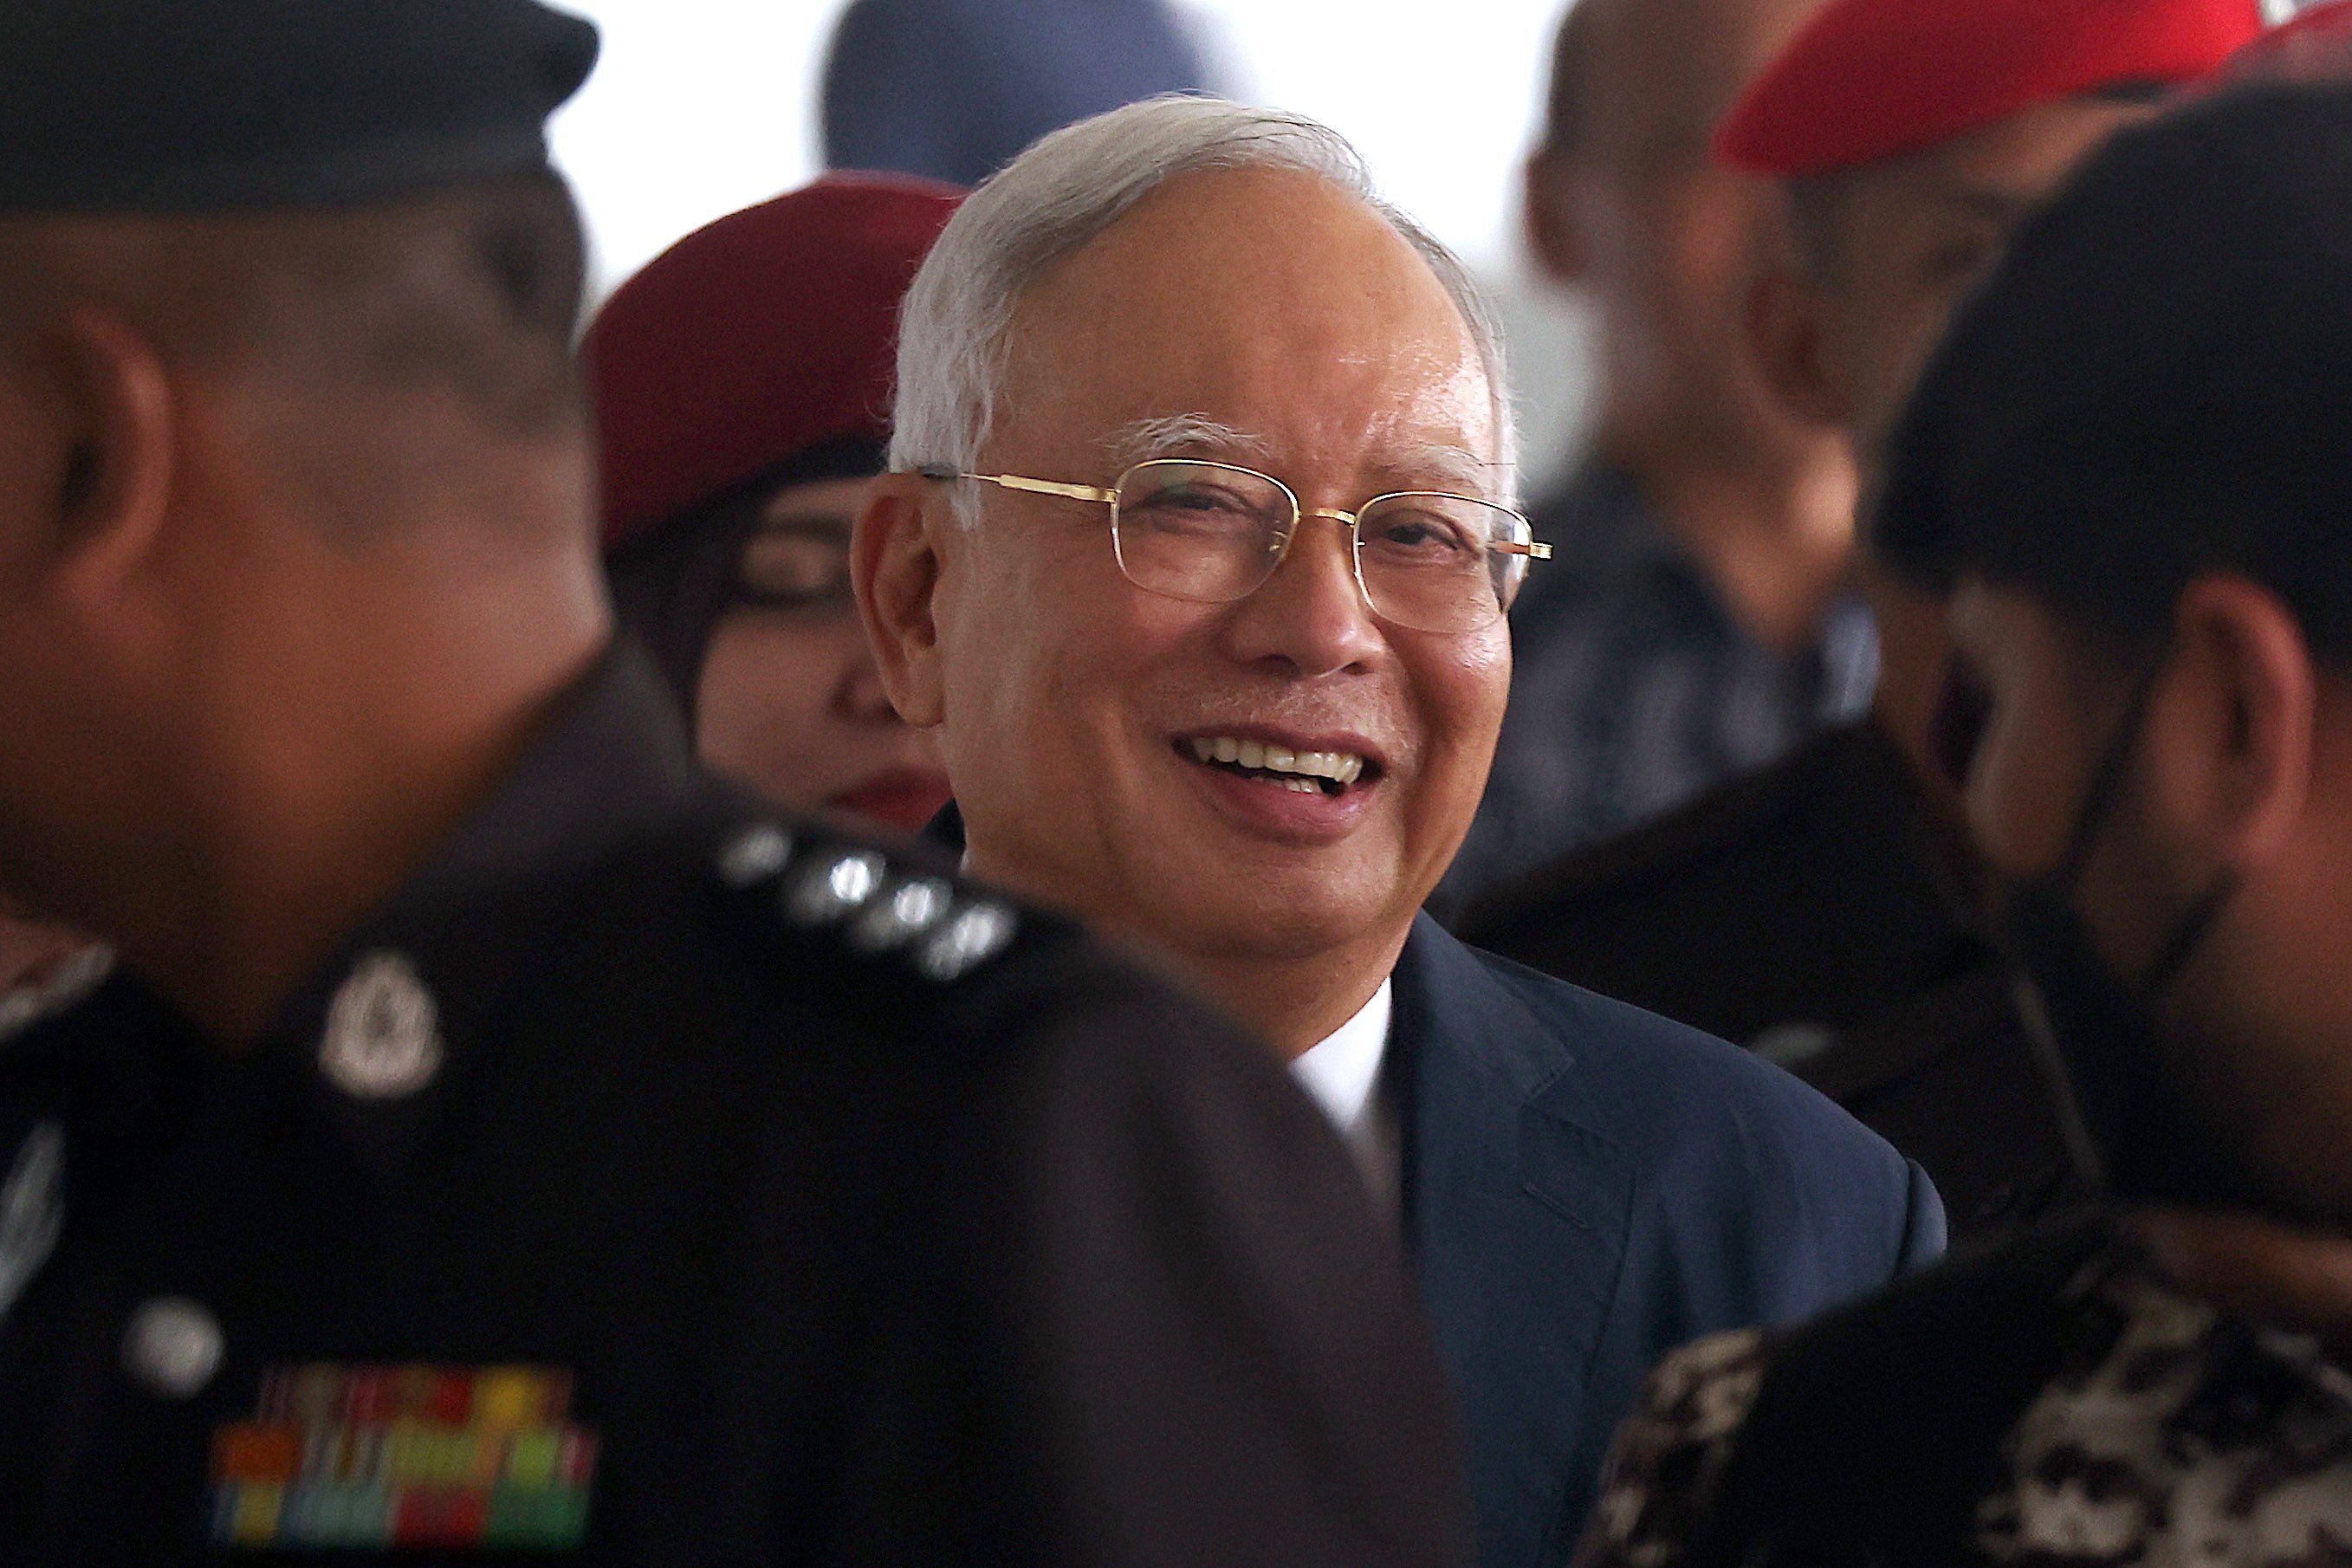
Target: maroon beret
point(770, 332)
point(1865, 80)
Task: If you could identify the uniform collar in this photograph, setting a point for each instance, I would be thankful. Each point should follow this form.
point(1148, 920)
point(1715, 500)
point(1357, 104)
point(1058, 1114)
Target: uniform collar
point(612, 762)
point(381, 1028)
point(431, 978)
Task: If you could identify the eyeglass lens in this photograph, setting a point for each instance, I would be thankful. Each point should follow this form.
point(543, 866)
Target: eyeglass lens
point(1210, 533)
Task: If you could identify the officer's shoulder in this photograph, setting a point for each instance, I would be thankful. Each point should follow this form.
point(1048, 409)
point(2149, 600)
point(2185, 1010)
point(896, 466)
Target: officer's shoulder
point(811, 902)
point(1708, 853)
point(1991, 1297)
point(836, 946)
point(1912, 1388)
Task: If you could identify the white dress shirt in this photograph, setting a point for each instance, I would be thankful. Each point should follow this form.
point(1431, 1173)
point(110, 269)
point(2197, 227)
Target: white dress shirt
point(1343, 1074)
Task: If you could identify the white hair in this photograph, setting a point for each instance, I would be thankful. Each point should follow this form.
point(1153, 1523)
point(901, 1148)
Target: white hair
point(955, 328)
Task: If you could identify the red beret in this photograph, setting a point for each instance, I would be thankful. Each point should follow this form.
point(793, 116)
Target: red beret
point(756, 338)
point(1865, 80)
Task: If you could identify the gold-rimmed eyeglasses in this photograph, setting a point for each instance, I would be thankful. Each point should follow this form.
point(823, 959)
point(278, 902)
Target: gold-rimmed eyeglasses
point(1215, 533)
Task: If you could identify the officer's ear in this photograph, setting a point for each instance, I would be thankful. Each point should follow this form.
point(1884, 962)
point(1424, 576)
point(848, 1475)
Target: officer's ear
point(1788, 334)
point(115, 414)
point(894, 565)
point(2234, 727)
point(1549, 214)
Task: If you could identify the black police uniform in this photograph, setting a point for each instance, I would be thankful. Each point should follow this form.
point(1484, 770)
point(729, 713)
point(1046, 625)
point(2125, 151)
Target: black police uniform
point(651, 1179)
point(784, 1198)
point(1801, 912)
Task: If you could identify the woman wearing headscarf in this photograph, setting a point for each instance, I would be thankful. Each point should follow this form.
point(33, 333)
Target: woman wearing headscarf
point(743, 388)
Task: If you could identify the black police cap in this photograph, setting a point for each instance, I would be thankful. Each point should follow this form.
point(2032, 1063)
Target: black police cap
point(204, 105)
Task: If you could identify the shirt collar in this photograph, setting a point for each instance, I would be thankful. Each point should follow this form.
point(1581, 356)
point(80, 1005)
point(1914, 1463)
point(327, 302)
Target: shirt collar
point(1342, 1071)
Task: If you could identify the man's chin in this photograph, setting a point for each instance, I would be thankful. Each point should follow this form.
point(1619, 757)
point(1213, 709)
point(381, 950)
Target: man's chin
point(1258, 914)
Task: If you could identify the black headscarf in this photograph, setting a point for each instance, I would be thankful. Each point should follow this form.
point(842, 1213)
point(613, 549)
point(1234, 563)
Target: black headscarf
point(672, 585)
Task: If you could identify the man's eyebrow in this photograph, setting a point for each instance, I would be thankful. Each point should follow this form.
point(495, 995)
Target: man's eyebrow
point(1192, 434)
point(1444, 465)
point(1450, 467)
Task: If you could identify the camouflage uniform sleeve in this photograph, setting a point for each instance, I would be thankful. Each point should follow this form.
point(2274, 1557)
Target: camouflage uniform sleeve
point(1668, 1458)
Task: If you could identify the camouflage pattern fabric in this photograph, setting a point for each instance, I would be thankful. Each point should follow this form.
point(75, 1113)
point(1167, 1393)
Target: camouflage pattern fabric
point(2169, 1438)
point(1668, 1457)
point(2176, 1435)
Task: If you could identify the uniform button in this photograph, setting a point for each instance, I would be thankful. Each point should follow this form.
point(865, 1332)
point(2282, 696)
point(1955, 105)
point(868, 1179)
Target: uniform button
point(383, 1036)
point(909, 909)
point(756, 855)
point(834, 888)
point(974, 937)
point(173, 1346)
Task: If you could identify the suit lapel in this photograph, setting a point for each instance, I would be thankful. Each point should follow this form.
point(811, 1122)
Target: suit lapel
point(1517, 1208)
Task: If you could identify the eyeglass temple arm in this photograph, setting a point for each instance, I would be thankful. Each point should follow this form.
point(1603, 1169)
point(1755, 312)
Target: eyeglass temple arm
point(1035, 487)
point(1534, 549)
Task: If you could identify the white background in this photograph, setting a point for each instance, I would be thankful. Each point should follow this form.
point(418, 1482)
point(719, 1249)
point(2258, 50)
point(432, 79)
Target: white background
point(700, 107)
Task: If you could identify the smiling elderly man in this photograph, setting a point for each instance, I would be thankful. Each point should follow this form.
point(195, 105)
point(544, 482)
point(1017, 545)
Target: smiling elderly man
point(1197, 561)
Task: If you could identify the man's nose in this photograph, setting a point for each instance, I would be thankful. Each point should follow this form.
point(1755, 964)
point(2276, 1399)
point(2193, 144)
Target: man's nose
point(1310, 615)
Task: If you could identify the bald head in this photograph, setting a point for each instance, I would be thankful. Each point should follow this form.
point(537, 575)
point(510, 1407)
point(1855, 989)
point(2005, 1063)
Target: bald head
point(1630, 75)
point(1626, 204)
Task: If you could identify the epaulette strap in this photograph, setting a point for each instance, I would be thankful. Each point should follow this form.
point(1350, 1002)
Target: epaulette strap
point(876, 904)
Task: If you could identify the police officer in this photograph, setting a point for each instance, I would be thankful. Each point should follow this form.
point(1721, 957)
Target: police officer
point(1829, 893)
point(2122, 468)
point(500, 1135)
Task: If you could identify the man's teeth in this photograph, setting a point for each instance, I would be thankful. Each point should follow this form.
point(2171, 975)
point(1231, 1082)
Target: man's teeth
point(1340, 767)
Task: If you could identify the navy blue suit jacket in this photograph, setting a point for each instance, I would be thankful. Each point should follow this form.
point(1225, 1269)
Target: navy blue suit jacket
point(1587, 1186)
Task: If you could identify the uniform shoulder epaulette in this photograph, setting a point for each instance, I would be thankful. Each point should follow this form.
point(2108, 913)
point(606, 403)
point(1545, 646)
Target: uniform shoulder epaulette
point(877, 904)
point(74, 980)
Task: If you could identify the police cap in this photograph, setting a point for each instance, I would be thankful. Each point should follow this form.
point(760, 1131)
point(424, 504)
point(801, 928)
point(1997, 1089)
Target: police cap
point(157, 106)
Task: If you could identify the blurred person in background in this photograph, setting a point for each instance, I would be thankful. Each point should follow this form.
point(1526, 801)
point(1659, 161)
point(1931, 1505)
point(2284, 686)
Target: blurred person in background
point(2125, 468)
point(1699, 624)
point(1831, 893)
point(952, 89)
point(742, 385)
point(1197, 557)
point(500, 1135)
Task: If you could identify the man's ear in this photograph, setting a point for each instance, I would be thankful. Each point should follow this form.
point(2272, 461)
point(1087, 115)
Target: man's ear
point(1788, 335)
point(2233, 729)
point(116, 416)
point(1549, 214)
point(894, 565)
